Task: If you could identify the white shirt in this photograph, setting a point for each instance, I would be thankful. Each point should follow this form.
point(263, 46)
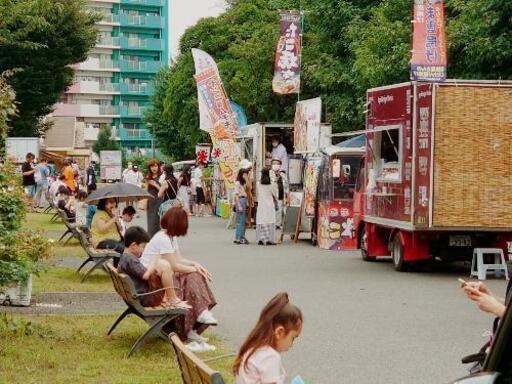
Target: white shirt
point(197, 177)
point(159, 245)
point(53, 190)
point(132, 177)
point(263, 367)
point(266, 212)
point(280, 153)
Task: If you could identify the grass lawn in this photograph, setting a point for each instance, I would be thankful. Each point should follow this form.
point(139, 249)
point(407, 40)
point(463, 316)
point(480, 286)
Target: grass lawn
point(58, 279)
point(41, 221)
point(76, 349)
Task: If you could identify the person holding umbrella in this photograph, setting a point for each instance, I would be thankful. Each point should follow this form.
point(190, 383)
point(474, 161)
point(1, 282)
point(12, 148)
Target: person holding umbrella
point(106, 226)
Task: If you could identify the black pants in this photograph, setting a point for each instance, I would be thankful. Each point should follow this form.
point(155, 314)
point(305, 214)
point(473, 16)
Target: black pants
point(114, 245)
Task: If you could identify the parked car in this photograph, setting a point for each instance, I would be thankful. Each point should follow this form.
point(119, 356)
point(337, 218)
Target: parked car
point(179, 165)
point(497, 367)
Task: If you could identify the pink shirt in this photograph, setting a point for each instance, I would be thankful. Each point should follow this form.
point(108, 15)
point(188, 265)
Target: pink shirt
point(264, 367)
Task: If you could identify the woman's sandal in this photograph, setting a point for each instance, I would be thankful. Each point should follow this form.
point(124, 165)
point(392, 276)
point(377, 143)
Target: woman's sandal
point(178, 304)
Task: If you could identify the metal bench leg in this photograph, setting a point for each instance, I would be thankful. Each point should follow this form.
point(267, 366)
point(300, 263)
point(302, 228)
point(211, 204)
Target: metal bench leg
point(97, 265)
point(73, 236)
point(152, 330)
point(84, 263)
point(54, 217)
point(119, 319)
point(64, 235)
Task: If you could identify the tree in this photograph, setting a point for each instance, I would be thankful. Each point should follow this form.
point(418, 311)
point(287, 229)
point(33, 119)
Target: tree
point(41, 38)
point(105, 142)
point(7, 110)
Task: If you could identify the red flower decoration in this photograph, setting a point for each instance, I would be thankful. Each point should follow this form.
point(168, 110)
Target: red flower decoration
point(216, 153)
point(202, 156)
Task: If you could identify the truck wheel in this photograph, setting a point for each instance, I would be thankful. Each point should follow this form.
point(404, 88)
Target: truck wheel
point(363, 245)
point(398, 253)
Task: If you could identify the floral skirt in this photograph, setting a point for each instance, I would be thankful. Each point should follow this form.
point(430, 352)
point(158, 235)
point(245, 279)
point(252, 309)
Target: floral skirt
point(265, 232)
point(194, 289)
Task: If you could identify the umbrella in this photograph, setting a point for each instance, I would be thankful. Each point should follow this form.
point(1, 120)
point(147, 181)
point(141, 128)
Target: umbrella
point(120, 192)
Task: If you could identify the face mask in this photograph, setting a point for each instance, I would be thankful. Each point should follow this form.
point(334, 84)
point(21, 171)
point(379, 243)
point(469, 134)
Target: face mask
point(274, 144)
point(276, 167)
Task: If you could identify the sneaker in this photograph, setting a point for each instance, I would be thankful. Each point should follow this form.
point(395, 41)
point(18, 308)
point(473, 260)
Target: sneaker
point(260, 243)
point(194, 336)
point(197, 347)
point(244, 241)
point(207, 318)
point(236, 242)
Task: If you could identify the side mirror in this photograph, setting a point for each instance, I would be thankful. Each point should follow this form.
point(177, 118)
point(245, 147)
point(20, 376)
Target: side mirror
point(481, 378)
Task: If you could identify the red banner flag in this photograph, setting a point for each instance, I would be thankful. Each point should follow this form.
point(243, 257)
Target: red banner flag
point(287, 60)
point(429, 41)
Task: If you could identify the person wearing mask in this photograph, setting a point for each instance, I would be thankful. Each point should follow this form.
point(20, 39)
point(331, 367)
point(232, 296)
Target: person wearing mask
point(69, 176)
point(43, 174)
point(125, 172)
point(90, 176)
point(266, 213)
point(279, 152)
point(133, 176)
point(240, 207)
point(29, 182)
point(281, 187)
point(198, 179)
point(153, 186)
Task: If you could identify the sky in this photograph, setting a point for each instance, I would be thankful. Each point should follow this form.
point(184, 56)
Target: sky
point(185, 13)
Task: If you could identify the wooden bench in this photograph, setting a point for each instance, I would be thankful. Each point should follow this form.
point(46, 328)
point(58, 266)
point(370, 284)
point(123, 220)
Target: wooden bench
point(71, 228)
point(157, 318)
point(193, 369)
point(97, 256)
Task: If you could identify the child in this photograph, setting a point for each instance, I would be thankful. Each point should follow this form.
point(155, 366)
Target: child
point(66, 202)
point(126, 217)
point(259, 359)
point(135, 239)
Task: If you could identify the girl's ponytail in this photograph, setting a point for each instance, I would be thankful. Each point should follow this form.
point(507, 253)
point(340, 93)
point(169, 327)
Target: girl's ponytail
point(278, 311)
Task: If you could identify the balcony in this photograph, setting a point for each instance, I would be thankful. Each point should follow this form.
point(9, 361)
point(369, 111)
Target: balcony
point(94, 87)
point(137, 112)
point(142, 21)
point(154, 3)
point(95, 64)
point(136, 43)
point(108, 42)
point(139, 89)
point(109, 18)
point(140, 66)
point(86, 110)
point(126, 134)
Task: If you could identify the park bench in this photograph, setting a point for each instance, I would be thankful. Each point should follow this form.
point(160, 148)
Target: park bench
point(156, 317)
point(71, 228)
point(193, 369)
point(97, 256)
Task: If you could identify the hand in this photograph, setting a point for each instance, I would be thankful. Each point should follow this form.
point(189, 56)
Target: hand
point(476, 286)
point(115, 213)
point(486, 302)
point(203, 271)
point(148, 273)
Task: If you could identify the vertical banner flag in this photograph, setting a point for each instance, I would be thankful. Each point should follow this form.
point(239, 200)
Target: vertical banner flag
point(306, 126)
point(288, 54)
point(216, 115)
point(429, 41)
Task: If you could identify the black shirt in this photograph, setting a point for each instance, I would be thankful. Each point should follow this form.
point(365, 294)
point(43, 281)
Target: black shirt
point(170, 192)
point(70, 214)
point(27, 179)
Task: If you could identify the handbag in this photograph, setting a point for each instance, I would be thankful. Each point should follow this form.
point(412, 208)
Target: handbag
point(169, 203)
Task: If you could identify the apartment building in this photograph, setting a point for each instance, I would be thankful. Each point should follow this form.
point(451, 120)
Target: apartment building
point(113, 87)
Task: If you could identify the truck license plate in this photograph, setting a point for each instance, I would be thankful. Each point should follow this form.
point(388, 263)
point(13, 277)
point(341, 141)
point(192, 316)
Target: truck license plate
point(460, 241)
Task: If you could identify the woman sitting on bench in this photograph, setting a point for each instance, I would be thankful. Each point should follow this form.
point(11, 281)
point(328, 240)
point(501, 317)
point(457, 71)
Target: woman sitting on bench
point(190, 278)
point(106, 227)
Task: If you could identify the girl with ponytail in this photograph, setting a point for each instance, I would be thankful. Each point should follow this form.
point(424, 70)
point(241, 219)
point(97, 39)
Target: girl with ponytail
point(259, 359)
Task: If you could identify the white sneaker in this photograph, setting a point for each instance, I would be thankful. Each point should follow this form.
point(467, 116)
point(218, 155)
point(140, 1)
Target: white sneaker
point(200, 347)
point(207, 318)
point(194, 336)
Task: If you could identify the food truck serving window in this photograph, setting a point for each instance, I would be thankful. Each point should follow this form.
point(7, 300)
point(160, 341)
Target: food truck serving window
point(386, 146)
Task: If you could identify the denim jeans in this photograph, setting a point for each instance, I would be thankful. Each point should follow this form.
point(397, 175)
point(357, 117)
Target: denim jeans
point(240, 220)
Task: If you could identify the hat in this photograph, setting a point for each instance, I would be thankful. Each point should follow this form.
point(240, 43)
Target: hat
point(245, 164)
point(280, 162)
point(135, 167)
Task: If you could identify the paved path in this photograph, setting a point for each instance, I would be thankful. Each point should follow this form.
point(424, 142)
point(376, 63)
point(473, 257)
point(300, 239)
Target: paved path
point(364, 322)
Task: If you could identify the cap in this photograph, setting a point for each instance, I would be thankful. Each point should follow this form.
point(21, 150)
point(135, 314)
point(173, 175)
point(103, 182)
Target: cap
point(280, 162)
point(245, 164)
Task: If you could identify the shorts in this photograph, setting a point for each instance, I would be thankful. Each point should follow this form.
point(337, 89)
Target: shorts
point(200, 199)
point(30, 190)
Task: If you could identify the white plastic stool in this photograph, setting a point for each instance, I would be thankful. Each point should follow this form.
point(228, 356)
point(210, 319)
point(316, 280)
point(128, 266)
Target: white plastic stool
point(480, 269)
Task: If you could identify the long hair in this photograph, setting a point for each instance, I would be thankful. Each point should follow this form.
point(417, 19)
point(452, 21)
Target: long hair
point(169, 173)
point(265, 176)
point(152, 162)
point(186, 174)
point(278, 312)
point(240, 176)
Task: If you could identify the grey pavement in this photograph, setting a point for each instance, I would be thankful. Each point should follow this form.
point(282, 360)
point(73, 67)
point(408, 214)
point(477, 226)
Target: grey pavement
point(364, 322)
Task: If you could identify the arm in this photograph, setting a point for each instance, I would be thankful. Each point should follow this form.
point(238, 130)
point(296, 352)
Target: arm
point(178, 266)
point(104, 225)
point(31, 172)
point(163, 188)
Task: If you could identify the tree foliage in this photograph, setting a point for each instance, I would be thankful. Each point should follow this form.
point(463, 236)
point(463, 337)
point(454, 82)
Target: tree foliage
point(349, 46)
point(41, 38)
point(105, 142)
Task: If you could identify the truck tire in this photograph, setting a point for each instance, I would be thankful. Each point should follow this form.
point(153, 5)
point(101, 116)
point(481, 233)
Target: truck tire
point(398, 253)
point(363, 245)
